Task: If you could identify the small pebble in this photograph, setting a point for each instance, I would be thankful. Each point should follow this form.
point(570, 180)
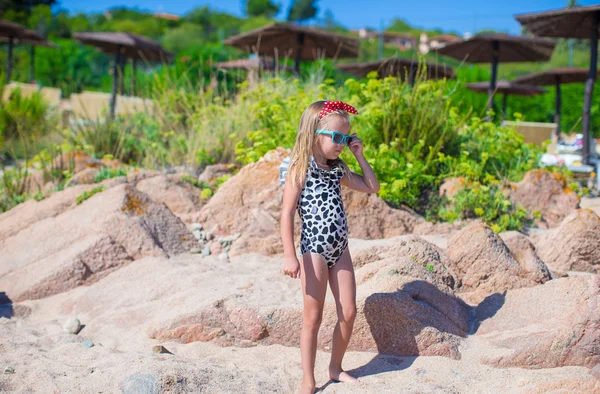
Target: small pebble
point(9, 369)
point(223, 256)
point(196, 226)
point(197, 234)
point(206, 250)
point(195, 250)
point(236, 236)
point(72, 326)
point(160, 349)
point(87, 343)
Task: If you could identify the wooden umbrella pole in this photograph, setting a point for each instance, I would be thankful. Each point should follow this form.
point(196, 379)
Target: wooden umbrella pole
point(491, 91)
point(412, 75)
point(133, 67)
point(589, 87)
point(113, 98)
point(32, 64)
point(122, 62)
point(299, 48)
point(557, 111)
point(10, 53)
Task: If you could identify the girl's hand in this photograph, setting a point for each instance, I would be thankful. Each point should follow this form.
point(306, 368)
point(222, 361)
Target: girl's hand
point(356, 145)
point(291, 267)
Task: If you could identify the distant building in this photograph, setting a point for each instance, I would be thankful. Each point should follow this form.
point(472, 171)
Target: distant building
point(401, 40)
point(427, 44)
point(164, 15)
point(441, 40)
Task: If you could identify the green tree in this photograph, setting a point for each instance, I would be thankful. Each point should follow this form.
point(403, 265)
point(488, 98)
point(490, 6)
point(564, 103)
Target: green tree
point(399, 26)
point(262, 8)
point(40, 19)
point(188, 35)
point(21, 8)
point(254, 23)
point(302, 10)
point(214, 24)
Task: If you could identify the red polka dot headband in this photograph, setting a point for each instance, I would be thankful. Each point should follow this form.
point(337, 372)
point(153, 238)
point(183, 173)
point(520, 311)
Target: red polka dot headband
point(336, 106)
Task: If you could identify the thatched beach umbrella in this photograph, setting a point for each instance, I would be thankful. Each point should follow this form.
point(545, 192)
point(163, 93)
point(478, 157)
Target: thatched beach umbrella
point(10, 31)
point(499, 48)
point(33, 39)
point(13, 33)
point(402, 68)
point(299, 43)
point(124, 46)
point(576, 22)
point(556, 77)
point(506, 88)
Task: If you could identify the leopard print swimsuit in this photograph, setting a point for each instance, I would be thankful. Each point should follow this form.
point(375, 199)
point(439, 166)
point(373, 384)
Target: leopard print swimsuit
point(324, 223)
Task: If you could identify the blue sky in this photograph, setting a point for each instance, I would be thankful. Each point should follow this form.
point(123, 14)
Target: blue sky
point(459, 16)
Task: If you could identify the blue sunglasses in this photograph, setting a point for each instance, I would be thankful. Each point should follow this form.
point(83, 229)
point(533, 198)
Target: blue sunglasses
point(337, 137)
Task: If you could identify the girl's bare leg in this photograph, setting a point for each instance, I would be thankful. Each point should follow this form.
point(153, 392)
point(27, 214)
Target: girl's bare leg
point(313, 276)
point(343, 287)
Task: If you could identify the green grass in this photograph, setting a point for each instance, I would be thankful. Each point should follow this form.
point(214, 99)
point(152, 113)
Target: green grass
point(87, 194)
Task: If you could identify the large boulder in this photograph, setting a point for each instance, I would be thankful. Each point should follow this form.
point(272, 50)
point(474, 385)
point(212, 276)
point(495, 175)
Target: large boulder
point(266, 245)
point(547, 193)
point(82, 263)
point(31, 211)
point(76, 246)
point(548, 326)
point(524, 253)
point(574, 245)
point(369, 217)
point(482, 264)
point(180, 196)
point(412, 247)
point(249, 201)
point(212, 172)
point(84, 177)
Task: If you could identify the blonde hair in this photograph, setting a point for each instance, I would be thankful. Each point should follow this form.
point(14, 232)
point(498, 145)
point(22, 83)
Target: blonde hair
point(307, 140)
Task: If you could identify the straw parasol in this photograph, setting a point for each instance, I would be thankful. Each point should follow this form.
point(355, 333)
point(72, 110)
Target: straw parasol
point(506, 88)
point(124, 46)
point(300, 43)
point(556, 77)
point(398, 67)
point(16, 34)
point(499, 48)
point(576, 22)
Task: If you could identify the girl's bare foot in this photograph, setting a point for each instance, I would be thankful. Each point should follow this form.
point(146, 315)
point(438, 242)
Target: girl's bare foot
point(306, 387)
point(339, 375)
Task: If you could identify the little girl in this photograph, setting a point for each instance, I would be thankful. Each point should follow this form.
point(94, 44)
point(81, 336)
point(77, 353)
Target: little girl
point(311, 177)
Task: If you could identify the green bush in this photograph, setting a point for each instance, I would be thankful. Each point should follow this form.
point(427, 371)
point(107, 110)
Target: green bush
point(207, 191)
point(23, 122)
point(13, 187)
point(108, 173)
